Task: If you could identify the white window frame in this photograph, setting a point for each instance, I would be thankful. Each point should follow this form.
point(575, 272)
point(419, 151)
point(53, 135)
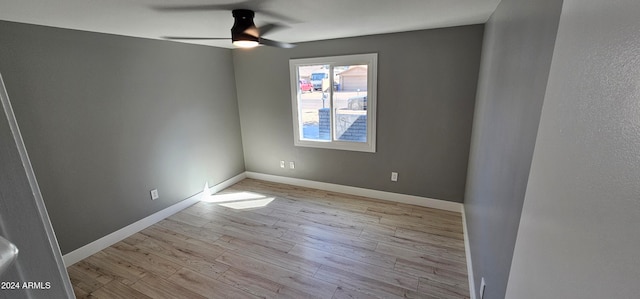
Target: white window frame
point(371, 60)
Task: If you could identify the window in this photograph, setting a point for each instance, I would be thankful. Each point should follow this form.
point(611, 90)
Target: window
point(334, 102)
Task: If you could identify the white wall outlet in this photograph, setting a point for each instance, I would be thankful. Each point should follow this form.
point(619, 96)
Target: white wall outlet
point(281, 163)
point(394, 176)
point(154, 194)
point(483, 285)
point(292, 165)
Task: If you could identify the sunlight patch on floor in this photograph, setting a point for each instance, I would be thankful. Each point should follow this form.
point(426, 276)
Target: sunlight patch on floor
point(248, 204)
point(237, 200)
point(230, 197)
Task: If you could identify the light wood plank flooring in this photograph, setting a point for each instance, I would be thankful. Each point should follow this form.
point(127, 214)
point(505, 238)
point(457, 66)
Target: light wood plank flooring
point(267, 240)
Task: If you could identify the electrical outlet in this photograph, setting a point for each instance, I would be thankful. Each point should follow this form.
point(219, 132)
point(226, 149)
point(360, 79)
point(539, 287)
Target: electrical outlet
point(154, 194)
point(394, 176)
point(483, 285)
point(282, 164)
point(292, 165)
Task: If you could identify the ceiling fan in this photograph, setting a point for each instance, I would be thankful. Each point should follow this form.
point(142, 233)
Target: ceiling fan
point(244, 33)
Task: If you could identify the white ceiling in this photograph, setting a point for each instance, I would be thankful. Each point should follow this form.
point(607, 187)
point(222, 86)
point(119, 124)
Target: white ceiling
point(318, 19)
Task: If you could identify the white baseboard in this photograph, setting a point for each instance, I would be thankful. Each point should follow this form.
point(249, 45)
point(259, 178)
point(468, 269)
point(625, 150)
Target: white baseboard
point(383, 195)
point(467, 252)
point(115, 237)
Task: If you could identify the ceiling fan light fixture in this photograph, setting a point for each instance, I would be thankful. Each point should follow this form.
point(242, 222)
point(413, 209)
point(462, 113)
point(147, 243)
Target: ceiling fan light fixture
point(245, 43)
point(244, 32)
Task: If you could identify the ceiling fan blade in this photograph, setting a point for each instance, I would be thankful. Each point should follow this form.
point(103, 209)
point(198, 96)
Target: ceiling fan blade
point(198, 7)
point(195, 38)
point(247, 4)
point(189, 8)
point(254, 5)
point(278, 16)
point(272, 43)
point(272, 27)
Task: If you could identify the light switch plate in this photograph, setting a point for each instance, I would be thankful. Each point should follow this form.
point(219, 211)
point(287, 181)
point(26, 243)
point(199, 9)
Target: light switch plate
point(154, 194)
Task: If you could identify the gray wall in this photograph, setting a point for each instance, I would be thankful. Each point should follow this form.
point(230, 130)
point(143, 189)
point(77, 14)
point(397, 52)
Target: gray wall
point(579, 234)
point(426, 90)
point(107, 118)
point(517, 51)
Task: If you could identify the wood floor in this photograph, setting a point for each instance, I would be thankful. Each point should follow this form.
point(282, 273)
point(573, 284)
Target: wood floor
point(302, 243)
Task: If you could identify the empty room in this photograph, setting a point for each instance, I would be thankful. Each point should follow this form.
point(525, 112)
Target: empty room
point(479, 149)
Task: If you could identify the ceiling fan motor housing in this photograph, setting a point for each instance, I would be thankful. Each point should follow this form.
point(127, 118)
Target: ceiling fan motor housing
point(243, 27)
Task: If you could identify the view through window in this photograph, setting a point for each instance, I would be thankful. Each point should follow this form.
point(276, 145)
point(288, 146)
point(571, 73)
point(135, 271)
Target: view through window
point(334, 102)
